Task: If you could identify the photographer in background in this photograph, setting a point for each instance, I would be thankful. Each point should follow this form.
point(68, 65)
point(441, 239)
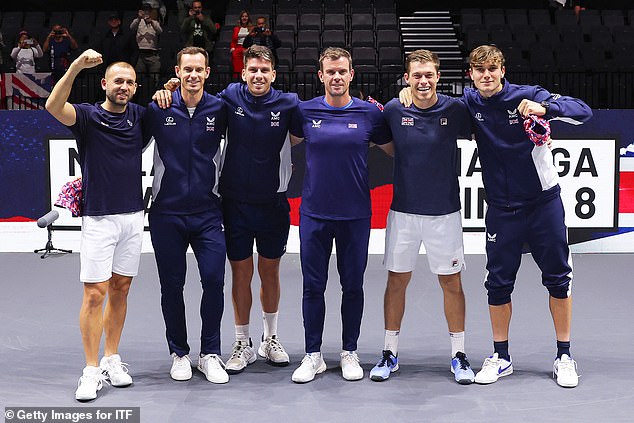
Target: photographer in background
point(59, 44)
point(147, 30)
point(198, 29)
point(262, 35)
point(27, 50)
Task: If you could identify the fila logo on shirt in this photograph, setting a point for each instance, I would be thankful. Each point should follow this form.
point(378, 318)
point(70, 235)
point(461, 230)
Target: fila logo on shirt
point(239, 111)
point(211, 124)
point(169, 121)
point(443, 121)
point(407, 121)
point(491, 237)
point(513, 118)
point(316, 123)
point(275, 119)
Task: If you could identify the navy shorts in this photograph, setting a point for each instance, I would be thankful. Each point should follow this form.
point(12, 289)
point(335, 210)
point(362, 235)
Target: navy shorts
point(542, 227)
point(267, 224)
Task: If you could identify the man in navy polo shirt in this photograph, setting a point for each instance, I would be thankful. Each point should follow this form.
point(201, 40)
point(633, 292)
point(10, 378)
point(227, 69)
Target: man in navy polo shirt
point(110, 142)
point(186, 211)
point(425, 208)
point(337, 130)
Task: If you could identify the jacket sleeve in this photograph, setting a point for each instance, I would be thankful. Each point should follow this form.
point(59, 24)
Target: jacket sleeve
point(568, 109)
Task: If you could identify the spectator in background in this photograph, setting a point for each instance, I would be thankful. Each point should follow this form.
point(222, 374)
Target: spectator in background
point(147, 31)
point(59, 43)
point(240, 32)
point(117, 45)
point(262, 35)
point(157, 9)
point(25, 53)
point(198, 29)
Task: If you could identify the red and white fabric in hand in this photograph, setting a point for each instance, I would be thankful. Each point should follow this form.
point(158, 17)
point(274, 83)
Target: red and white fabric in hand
point(70, 197)
point(537, 129)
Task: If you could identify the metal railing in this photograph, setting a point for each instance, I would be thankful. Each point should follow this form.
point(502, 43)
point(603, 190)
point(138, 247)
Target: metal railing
point(600, 90)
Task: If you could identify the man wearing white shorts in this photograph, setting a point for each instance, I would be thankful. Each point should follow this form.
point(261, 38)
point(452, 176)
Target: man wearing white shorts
point(109, 141)
point(425, 207)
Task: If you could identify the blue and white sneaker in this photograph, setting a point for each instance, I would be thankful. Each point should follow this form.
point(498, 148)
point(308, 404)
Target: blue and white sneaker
point(493, 368)
point(461, 369)
point(386, 365)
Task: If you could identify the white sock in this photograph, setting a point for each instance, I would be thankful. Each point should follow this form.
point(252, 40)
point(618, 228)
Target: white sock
point(457, 342)
point(391, 341)
point(270, 323)
point(242, 332)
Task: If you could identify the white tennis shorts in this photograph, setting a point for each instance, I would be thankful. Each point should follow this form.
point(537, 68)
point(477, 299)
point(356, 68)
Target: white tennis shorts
point(110, 244)
point(441, 236)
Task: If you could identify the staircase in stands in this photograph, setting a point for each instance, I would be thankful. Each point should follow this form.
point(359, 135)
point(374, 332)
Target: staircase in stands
point(434, 30)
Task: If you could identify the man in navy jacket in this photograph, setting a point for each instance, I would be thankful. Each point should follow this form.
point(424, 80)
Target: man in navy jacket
point(186, 211)
point(524, 203)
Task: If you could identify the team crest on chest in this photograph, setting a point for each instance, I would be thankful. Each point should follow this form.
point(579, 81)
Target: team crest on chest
point(239, 111)
point(211, 124)
point(169, 121)
point(513, 118)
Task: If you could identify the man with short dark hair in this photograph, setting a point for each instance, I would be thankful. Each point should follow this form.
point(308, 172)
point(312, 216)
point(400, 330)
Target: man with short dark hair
point(110, 142)
point(255, 174)
point(116, 43)
point(59, 42)
point(147, 31)
point(186, 211)
point(262, 35)
point(337, 130)
point(198, 29)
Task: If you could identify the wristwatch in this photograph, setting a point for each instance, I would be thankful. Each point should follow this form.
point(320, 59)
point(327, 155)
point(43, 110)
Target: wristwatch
point(545, 105)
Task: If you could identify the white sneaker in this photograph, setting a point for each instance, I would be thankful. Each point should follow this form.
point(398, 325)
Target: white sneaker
point(242, 354)
point(115, 371)
point(493, 368)
point(181, 367)
point(89, 383)
point(213, 368)
point(350, 366)
point(273, 351)
point(312, 364)
point(565, 371)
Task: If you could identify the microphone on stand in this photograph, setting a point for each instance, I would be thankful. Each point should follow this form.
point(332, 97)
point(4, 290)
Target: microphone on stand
point(46, 221)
